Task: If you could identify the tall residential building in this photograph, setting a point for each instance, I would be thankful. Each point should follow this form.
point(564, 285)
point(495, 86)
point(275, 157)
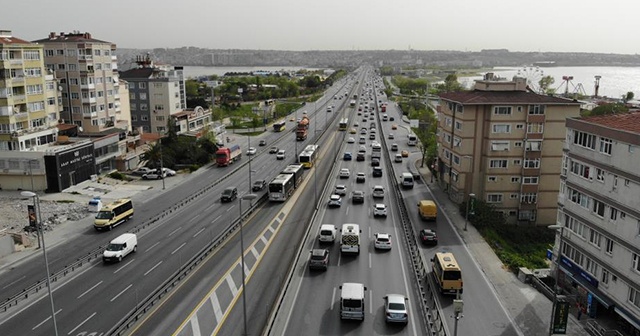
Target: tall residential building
point(87, 71)
point(503, 143)
point(599, 215)
point(155, 93)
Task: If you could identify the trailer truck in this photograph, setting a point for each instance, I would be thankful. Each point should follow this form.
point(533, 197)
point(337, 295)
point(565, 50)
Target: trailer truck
point(302, 129)
point(228, 155)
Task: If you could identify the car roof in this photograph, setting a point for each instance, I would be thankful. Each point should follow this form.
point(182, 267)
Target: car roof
point(358, 192)
point(382, 235)
point(318, 252)
point(380, 205)
point(335, 196)
point(396, 298)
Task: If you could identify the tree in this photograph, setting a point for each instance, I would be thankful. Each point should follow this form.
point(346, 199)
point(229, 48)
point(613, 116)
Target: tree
point(627, 97)
point(545, 82)
point(191, 88)
point(609, 109)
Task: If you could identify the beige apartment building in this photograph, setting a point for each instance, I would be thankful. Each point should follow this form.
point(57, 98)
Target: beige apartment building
point(503, 143)
point(598, 246)
point(87, 70)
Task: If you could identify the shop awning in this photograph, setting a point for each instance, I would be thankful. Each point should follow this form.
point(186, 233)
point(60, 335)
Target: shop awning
point(629, 317)
point(601, 297)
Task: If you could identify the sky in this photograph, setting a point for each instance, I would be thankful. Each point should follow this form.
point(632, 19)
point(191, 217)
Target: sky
point(464, 25)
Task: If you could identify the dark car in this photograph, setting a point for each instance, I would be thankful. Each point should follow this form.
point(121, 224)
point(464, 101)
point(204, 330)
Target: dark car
point(262, 143)
point(259, 185)
point(319, 259)
point(229, 194)
point(375, 162)
point(357, 196)
point(360, 157)
point(391, 119)
point(377, 172)
point(428, 237)
point(347, 156)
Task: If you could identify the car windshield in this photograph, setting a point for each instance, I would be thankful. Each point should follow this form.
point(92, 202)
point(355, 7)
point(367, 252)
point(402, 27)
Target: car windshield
point(114, 247)
point(104, 215)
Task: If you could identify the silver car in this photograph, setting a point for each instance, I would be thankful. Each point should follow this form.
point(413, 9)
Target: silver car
point(395, 309)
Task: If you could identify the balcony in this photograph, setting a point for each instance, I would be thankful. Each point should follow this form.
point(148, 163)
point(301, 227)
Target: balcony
point(85, 57)
point(16, 62)
point(17, 80)
point(21, 116)
point(19, 99)
point(87, 86)
point(89, 100)
point(89, 115)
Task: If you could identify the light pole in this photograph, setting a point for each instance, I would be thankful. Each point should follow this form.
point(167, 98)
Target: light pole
point(250, 159)
point(32, 188)
point(36, 204)
point(560, 307)
point(295, 139)
point(472, 197)
point(161, 164)
point(244, 295)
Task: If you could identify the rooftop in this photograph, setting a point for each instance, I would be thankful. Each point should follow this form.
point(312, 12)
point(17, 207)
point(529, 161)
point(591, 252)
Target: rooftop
point(629, 122)
point(477, 97)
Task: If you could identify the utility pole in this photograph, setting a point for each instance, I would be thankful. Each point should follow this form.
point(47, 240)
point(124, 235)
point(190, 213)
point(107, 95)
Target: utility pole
point(457, 309)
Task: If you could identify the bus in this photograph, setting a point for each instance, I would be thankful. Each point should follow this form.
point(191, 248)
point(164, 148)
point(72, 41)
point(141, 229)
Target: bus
point(113, 214)
point(297, 170)
point(279, 126)
point(281, 187)
point(308, 156)
point(344, 123)
point(413, 139)
point(447, 273)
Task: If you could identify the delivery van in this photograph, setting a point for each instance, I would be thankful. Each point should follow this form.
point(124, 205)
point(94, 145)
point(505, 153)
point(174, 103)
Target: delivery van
point(327, 234)
point(120, 247)
point(352, 301)
point(427, 209)
point(406, 180)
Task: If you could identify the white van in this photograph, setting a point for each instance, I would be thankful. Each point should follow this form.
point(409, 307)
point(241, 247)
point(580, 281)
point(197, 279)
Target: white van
point(407, 180)
point(352, 301)
point(120, 247)
point(327, 233)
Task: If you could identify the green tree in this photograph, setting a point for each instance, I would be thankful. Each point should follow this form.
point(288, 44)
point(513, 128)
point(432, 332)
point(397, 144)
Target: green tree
point(191, 88)
point(152, 155)
point(545, 83)
point(627, 97)
point(612, 108)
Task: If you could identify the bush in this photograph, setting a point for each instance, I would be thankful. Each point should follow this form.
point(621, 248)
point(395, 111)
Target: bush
point(118, 176)
point(193, 168)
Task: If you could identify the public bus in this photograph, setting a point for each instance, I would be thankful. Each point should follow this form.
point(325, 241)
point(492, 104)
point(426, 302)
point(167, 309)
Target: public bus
point(413, 139)
point(308, 156)
point(344, 123)
point(281, 187)
point(113, 214)
point(279, 126)
point(297, 170)
point(447, 273)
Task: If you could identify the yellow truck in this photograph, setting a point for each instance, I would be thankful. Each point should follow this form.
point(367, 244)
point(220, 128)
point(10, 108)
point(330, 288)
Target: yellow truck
point(427, 210)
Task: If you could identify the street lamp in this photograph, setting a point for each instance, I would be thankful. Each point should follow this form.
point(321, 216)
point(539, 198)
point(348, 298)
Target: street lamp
point(36, 204)
point(559, 310)
point(250, 159)
point(244, 298)
point(472, 197)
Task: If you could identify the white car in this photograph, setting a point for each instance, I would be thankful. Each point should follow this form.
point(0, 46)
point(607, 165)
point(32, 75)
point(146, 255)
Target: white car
point(398, 158)
point(391, 136)
point(344, 173)
point(379, 210)
point(251, 151)
point(280, 155)
point(382, 241)
point(351, 140)
point(335, 201)
point(340, 190)
point(169, 172)
point(395, 308)
point(378, 191)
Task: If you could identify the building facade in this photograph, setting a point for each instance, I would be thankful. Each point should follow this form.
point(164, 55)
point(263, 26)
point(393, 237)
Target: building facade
point(598, 246)
point(87, 70)
point(155, 93)
point(503, 144)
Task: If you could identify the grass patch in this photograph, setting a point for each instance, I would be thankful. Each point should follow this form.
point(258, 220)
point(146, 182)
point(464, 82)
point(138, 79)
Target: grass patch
point(519, 246)
point(65, 201)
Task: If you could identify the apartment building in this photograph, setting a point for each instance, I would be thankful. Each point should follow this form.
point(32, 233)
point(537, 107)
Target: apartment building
point(599, 215)
point(87, 71)
point(503, 144)
point(155, 93)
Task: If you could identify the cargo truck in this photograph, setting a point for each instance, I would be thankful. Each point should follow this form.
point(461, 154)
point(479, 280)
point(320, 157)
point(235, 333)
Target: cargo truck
point(228, 155)
point(302, 129)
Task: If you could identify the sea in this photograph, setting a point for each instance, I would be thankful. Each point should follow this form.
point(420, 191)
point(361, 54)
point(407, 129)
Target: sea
point(197, 71)
point(614, 81)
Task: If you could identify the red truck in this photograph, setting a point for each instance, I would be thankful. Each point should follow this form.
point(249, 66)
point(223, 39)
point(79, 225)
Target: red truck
point(302, 128)
point(228, 155)
point(383, 107)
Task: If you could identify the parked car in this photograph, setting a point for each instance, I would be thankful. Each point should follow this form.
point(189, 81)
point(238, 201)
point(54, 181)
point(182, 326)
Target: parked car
point(142, 170)
point(169, 172)
point(154, 175)
point(259, 185)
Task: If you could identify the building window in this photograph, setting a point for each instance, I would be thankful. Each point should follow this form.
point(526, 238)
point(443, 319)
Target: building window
point(501, 128)
point(142, 85)
point(595, 238)
point(636, 263)
point(626, 182)
point(534, 146)
point(143, 96)
point(502, 110)
point(598, 208)
point(527, 215)
point(605, 146)
point(458, 125)
point(578, 198)
point(143, 107)
point(492, 179)
point(144, 118)
point(608, 246)
point(513, 196)
point(529, 198)
point(499, 145)
point(159, 118)
point(515, 179)
point(585, 140)
point(447, 121)
point(535, 128)
point(574, 225)
point(517, 162)
point(456, 160)
point(580, 169)
point(498, 164)
point(519, 126)
point(591, 266)
point(536, 109)
point(517, 144)
point(532, 163)
point(134, 117)
point(604, 277)
point(600, 175)
point(159, 107)
point(494, 198)
point(530, 180)
point(613, 213)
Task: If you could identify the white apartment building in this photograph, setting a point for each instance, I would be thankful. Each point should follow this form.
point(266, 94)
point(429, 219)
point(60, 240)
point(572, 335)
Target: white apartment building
point(599, 215)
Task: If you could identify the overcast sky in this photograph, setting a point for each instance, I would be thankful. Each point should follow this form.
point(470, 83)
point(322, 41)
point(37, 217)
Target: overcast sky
point(468, 25)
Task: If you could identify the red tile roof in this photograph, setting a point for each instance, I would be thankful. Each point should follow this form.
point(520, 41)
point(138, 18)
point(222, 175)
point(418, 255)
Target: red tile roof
point(478, 97)
point(620, 121)
point(12, 40)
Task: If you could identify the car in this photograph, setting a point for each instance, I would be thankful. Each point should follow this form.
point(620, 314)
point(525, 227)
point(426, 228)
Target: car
point(392, 118)
point(344, 173)
point(375, 162)
point(398, 158)
point(360, 156)
point(357, 196)
point(395, 309)
point(371, 118)
point(169, 172)
point(377, 172)
point(378, 191)
point(372, 125)
point(292, 119)
point(280, 155)
point(362, 140)
point(352, 131)
point(328, 233)
point(335, 201)
point(351, 140)
point(262, 143)
point(379, 210)
point(404, 153)
point(347, 156)
point(356, 124)
point(252, 151)
point(259, 185)
point(372, 136)
point(154, 175)
point(341, 189)
point(229, 194)
point(319, 259)
point(360, 177)
point(428, 237)
point(273, 150)
point(363, 131)
point(394, 147)
point(382, 241)
point(391, 136)
point(142, 171)
point(394, 127)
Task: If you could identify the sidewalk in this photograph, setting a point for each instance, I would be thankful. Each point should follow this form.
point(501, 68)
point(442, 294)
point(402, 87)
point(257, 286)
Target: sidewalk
point(530, 309)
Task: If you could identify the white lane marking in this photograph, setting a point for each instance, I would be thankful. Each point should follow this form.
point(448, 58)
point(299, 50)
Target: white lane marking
point(209, 207)
point(123, 266)
point(254, 252)
point(174, 231)
point(230, 208)
point(369, 259)
point(179, 247)
point(264, 240)
point(194, 218)
point(215, 219)
point(231, 284)
point(11, 283)
point(199, 232)
point(45, 320)
point(90, 289)
point(81, 323)
point(152, 268)
point(215, 303)
point(122, 292)
point(333, 299)
point(195, 326)
point(371, 304)
point(152, 246)
point(271, 229)
point(346, 213)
